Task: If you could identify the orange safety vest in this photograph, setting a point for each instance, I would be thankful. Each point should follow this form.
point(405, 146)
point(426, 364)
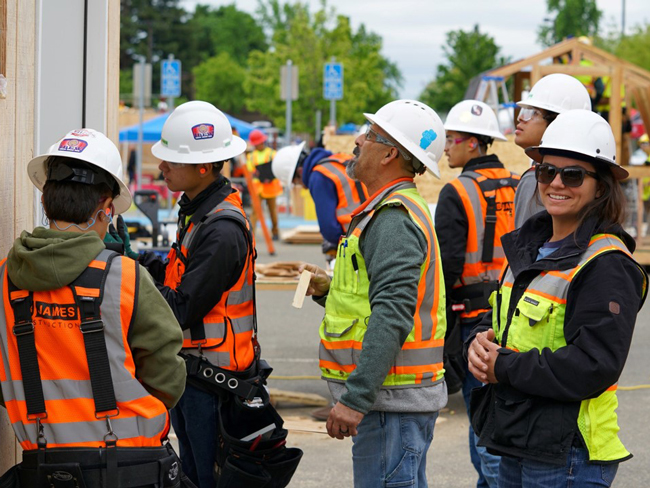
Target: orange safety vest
point(488, 199)
point(71, 416)
point(257, 162)
point(227, 336)
point(350, 193)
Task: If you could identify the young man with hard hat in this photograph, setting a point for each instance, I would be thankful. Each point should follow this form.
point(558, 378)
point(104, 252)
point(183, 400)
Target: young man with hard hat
point(335, 194)
point(552, 95)
point(472, 214)
point(383, 332)
point(88, 348)
point(208, 275)
point(267, 186)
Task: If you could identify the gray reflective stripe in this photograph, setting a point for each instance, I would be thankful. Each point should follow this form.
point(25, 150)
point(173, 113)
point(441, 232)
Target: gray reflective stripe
point(406, 357)
point(94, 431)
point(72, 389)
point(425, 311)
point(3, 332)
point(345, 186)
point(217, 358)
point(232, 210)
point(244, 295)
point(361, 221)
point(215, 330)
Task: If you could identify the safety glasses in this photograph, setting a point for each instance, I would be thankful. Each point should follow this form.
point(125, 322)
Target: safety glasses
point(571, 176)
point(527, 114)
point(373, 136)
point(450, 141)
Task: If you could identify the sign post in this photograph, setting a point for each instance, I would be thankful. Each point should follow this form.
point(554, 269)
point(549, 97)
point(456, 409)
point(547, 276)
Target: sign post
point(170, 80)
point(333, 86)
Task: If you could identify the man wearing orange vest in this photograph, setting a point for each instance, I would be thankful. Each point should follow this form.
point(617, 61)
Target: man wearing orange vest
point(335, 194)
point(265, 184)
point(472, 214)
point(207, 278)
point(88, 347)
point(383, 331)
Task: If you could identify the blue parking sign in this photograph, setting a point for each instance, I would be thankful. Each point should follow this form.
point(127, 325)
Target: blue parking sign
point(333, 81)
point(171, 78)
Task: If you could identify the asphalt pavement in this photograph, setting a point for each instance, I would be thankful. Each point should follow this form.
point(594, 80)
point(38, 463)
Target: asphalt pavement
point(289, 339)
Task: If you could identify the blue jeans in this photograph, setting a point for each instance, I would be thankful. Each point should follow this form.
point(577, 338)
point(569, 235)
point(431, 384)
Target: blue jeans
point(485, 464)
point(195, 421)
point(390, 449)
point(578, 473)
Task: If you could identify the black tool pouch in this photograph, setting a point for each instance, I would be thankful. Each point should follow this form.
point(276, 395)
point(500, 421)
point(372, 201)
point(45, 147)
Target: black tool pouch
point(262, 462)
point(10, 478)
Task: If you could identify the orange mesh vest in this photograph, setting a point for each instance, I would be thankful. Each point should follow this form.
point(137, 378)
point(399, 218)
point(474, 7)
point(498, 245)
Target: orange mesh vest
point(227, 337)
point(350, 193)
point(71, 416)
point(488, 198)
point(260, 161)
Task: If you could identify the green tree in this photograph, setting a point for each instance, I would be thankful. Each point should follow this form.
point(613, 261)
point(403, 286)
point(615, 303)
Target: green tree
point(571, 18)
point(634, 47)
point(220, 81)
point(309, 41)
point(468, 54)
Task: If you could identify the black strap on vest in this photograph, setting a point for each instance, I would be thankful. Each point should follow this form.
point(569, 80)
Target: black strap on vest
point(486, 186)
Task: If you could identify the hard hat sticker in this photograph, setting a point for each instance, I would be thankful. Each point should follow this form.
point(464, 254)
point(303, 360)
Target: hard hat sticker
point(428, 136)
point(203, 131)
point(82, 133)
point(72, 145)
point(477, 110)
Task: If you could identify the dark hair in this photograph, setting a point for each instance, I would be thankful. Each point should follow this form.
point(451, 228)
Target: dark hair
point(609, 207)
point(71, 201)
point(548, 116)
point(217, 167)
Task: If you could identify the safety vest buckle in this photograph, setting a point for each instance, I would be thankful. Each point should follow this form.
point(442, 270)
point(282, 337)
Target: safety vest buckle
point(23, 329)
point(92, 326)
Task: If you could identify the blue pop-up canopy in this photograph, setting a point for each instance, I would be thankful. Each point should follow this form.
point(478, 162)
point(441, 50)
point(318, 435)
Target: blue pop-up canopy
point(152, 128)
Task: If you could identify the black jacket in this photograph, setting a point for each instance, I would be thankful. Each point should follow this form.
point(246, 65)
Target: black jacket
point(215, 261)
point(537, 398)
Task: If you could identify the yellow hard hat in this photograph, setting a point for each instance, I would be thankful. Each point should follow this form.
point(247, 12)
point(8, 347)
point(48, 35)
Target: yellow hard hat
point(644, 139)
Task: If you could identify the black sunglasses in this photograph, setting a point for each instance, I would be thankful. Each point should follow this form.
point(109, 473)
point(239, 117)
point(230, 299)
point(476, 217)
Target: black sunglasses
point(571, 176)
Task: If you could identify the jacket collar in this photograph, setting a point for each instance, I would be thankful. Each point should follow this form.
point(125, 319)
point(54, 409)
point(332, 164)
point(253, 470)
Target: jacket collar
point(483, 162)
point(522, 245)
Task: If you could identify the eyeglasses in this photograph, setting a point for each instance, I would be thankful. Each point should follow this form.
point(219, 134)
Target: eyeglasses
point(572, 176)
point(526, 114)
point(373, 136)
point(449, 141)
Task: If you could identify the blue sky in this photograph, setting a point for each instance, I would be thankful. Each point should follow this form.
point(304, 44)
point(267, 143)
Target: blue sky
point(414, 30)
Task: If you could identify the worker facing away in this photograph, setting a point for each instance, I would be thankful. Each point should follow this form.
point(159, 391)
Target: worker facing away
point(89, 347)
point(552, 95)
point(267, 186)
point(473, 212)
point(554, 345)
point(385, 367)
point(335, 194)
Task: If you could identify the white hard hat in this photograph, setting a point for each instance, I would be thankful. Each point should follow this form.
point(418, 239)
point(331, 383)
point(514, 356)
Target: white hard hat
point(285, 162)
point(582, 134)
point(92, 147)
point(558, 93)
point(474, 117)
point(195, 133)
point(416, 127)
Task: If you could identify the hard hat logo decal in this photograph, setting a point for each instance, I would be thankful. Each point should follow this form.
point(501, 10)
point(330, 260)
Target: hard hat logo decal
point(477, 110)
point(82, 133)
point(72, 145)
point(203, 131)
point(428, 136)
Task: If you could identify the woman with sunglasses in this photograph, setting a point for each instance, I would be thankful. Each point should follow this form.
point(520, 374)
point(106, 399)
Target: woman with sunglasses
point(562, 319)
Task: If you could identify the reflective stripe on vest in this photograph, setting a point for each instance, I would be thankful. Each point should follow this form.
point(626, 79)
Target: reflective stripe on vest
point(467, 186)
point(142, 420)
point(229, 326)
point(539, 324)
point(347, 309)
point(256, 158)
point(349, 196)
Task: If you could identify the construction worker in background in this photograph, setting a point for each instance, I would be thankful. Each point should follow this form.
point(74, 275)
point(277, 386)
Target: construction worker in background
point(266, 185)
point(554, 345)
point(472, 214)
point(88, 348)
point(335, 194)
point(207, 278)
point(644, 145)
point(552, 95)
point(383, 331)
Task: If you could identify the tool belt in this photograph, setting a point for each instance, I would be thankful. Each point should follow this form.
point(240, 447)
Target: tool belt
point(260, 461)
point(473, 297)
point(157, 467)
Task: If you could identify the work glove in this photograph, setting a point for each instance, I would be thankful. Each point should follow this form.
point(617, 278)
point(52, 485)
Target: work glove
point(120, 234)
